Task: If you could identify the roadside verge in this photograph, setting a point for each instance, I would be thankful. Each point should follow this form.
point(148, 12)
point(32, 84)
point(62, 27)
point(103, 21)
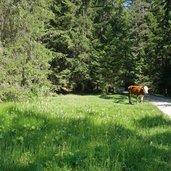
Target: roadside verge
point(164, 104)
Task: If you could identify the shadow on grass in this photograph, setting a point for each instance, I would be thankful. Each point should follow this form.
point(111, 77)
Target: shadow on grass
point(35, 141)
point(150, 122)
point(158, 139)
point(105, 96)
point(117, 98)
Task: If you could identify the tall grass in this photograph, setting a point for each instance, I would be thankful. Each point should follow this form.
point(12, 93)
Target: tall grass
point(92, 133)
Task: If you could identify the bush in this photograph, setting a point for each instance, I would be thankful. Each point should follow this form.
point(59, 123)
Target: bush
point(12, 93)
point(18, 93)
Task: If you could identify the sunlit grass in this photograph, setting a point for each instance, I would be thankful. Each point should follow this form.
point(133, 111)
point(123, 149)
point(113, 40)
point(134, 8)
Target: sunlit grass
point(75, 132)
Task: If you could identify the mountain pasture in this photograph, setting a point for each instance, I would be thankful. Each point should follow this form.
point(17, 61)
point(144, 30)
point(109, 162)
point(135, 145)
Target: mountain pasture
point(84, 132)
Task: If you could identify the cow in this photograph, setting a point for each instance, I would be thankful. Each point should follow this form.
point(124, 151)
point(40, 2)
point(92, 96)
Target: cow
point(139, 91)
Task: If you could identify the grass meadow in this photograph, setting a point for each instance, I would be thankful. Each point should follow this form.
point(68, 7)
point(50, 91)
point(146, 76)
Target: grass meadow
point(84, 132)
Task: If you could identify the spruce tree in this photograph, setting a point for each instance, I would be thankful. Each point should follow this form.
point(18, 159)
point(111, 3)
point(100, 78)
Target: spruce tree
point(141, 40)
point(110, 33)
point(24, 60)
point(162, 12)
point(70, 40)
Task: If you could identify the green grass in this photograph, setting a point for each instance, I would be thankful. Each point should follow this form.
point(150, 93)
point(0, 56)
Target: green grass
point(91, 133)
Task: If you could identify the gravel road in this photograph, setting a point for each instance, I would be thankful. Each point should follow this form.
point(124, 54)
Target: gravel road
point(164, 104)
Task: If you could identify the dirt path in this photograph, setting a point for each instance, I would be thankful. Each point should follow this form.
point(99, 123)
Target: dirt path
point(163, 104)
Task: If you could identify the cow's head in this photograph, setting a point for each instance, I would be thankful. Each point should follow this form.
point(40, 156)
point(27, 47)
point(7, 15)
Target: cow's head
point(145, 90)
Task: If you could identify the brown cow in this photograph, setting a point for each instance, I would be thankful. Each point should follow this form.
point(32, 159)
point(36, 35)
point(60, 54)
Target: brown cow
point(139, 91)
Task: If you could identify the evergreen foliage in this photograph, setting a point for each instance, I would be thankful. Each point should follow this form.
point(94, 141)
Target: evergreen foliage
point(24, 60)
point(85, 45)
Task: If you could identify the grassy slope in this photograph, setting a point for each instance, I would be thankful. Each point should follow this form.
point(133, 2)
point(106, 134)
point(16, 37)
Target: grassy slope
point(84, 133)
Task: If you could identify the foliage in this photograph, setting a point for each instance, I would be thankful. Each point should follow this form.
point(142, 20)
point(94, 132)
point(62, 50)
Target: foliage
point(103, 45)
point(69, 38)
point(24, 60)
point(84, 45)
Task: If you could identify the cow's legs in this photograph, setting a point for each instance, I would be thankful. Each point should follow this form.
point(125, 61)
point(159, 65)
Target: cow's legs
point(138, 99)
point(129, 96)
point(141, 98)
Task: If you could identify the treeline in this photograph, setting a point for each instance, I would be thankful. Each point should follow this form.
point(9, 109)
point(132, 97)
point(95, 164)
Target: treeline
point(83, 45)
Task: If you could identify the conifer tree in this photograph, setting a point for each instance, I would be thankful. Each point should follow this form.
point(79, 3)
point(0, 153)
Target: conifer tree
point(110, 32)
point(162, 12)
point(142, 42)
point(24, 60)
point(70, 39)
